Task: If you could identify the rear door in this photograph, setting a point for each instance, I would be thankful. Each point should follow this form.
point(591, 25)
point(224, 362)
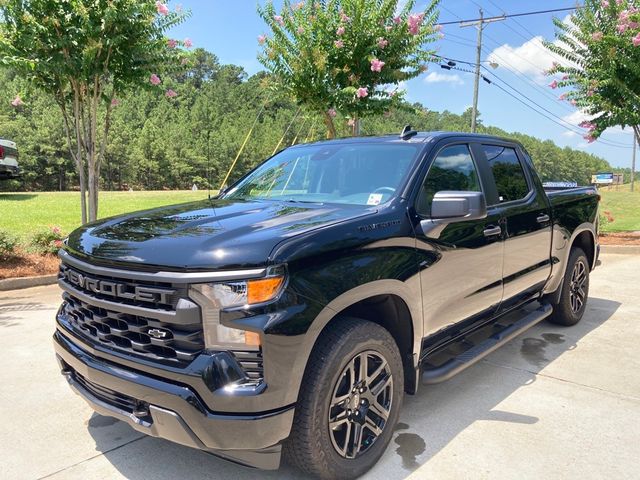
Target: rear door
point(526, 222)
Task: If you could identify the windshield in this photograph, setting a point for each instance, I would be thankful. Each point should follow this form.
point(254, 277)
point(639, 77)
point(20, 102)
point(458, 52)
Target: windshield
point(357, 174)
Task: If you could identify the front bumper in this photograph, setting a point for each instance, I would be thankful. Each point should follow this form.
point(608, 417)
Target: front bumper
point(172, 411)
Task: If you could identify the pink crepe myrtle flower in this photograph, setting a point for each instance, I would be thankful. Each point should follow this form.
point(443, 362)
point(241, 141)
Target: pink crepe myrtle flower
point(382, 43)
point(171, 43)
point(587, 124)
point(636, 40)
point(573, 102)
point(605, 4)
point(115, 102)
point(332, 112)
point(414, 21)
point(278, 19)
point(589, 138)
point(162, 8)
point(338, 44)
point(56, 230)
point(171, 93)
point(262, 38)
point(597, 36)
point(362, 92)
point(397, 20)
point(57, 243)
point(376, 65)
point(298, 6)
point(344, 17)
point(155, 79)
point(565, 77)
point(562, 97)
point(16, 102)
point(340, 30)
point(179, 8)
point(554, 84)
point(438, 28)
point(187, 43)
point(300, 30)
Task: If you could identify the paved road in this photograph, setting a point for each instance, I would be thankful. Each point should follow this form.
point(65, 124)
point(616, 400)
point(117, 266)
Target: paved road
point(554, 403)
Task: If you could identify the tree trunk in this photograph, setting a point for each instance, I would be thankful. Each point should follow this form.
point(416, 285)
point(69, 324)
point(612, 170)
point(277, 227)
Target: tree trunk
point(331, 128)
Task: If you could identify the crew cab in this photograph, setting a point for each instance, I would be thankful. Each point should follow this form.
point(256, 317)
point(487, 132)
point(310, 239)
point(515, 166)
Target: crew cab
point(292, 313)
point(8, 160)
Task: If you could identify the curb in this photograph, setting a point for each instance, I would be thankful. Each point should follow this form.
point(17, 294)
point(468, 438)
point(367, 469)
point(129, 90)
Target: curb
point(27, 282)
point(620, 249)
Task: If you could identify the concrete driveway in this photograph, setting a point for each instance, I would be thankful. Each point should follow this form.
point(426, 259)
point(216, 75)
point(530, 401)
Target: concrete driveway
point(554, 403)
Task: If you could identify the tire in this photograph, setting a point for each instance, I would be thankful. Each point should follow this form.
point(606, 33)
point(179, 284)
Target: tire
point(572, 302)
point(333, 368)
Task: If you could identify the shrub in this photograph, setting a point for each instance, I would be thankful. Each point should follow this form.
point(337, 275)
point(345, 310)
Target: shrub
point(8, 243)
point(605, 218)
point(48, 240)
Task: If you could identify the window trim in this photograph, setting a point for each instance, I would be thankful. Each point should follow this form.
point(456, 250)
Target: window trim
point(433, 159)
point(525, 171)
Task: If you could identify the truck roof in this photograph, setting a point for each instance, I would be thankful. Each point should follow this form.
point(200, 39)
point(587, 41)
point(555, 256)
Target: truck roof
point(418, 137)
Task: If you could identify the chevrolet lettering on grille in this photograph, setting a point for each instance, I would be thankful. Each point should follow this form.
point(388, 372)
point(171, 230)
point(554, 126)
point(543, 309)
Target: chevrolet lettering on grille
point(116, 289)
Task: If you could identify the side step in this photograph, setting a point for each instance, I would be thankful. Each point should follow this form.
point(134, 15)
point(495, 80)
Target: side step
point(469, 357)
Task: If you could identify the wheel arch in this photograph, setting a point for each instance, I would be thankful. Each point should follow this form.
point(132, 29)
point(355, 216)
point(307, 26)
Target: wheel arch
point(387, 297)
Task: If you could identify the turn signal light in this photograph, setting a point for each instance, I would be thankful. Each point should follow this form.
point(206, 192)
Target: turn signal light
point(263, 289)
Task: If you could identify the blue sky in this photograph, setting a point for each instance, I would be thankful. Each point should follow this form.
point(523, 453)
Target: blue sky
point(230, 29)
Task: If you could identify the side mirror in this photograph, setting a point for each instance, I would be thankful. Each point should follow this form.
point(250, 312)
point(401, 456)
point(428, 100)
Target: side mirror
point(453, 206)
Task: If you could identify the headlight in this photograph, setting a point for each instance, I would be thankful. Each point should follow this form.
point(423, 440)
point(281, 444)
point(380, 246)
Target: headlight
point(213, 297)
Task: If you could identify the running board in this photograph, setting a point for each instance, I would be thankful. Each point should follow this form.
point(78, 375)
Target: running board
point(481, 350)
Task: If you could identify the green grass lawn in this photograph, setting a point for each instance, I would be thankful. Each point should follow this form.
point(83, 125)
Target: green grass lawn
point(624, 206)
point(23, 214)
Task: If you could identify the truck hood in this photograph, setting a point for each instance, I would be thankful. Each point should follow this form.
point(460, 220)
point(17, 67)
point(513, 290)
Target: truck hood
point(211, 234)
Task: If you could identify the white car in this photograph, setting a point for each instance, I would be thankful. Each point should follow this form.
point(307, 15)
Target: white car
point(8, 160)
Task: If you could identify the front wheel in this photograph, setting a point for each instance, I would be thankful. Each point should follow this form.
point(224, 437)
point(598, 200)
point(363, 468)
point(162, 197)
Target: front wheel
point(349, 401)
point(575, 290)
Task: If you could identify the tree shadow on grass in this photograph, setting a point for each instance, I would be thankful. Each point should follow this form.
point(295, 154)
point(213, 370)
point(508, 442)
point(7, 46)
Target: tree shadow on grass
point(17, 197)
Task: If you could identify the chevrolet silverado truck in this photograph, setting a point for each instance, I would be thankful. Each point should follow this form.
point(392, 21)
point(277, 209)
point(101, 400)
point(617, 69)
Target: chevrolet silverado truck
point(9, 168)
point(289, 316)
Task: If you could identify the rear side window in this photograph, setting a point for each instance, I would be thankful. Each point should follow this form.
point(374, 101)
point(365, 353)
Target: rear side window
point(507, 171)
point(453, 169)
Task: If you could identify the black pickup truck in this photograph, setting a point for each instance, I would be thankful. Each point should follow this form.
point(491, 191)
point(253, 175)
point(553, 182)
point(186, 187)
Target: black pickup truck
point(291, 314)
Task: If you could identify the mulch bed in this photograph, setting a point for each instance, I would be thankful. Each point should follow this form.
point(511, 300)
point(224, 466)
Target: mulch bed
point(620, 238)
point(26, 264)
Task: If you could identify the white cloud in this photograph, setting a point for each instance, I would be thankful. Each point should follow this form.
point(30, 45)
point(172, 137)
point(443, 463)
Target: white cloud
point(450, 78)
point(531, 58)
point(569, 133)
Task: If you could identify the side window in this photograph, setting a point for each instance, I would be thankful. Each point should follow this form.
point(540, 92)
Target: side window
point(507, 171)
point(453, 169)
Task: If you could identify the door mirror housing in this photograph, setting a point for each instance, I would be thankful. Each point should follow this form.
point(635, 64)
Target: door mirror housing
point(453, 206)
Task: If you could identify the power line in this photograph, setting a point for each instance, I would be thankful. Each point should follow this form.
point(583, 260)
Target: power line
point(512, 15)
point(548, 115)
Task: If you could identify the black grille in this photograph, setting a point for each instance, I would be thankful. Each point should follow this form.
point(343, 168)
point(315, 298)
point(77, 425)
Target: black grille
point(134, 334)
point(119, 400)
point(251, 363)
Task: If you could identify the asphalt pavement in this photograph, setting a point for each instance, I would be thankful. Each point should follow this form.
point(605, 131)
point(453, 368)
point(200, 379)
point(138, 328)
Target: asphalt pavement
point(554, 403)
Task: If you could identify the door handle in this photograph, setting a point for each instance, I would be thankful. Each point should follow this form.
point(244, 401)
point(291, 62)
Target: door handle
point(543, 218)
point(492, 231)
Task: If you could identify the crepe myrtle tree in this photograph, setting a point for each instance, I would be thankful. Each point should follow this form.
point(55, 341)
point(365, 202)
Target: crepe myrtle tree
point(600, 48)
point(85, 53)
point(348, 56)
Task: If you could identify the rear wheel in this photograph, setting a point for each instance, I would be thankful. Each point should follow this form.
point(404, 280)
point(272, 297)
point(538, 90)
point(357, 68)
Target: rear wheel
point(572, 302)
point(349, 401)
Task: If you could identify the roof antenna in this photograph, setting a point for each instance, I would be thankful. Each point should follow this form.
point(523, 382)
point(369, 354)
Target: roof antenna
point(407, 133)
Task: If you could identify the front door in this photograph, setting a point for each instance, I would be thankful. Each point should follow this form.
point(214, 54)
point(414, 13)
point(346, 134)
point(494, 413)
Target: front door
point(461, 262)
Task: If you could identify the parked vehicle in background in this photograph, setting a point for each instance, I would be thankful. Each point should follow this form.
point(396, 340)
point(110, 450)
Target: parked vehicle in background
point(293, 312)
point(8, 160)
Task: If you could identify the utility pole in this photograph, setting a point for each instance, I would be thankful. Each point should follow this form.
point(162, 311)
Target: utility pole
point(479, 24)
point(633, 158)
